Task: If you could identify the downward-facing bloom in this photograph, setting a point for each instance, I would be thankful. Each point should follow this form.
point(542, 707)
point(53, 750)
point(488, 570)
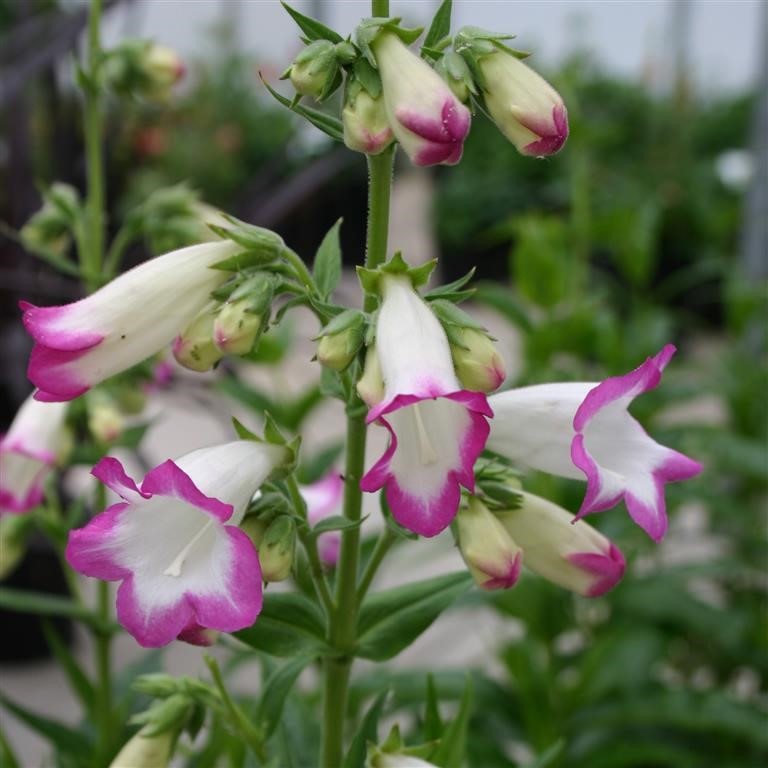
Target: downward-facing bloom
point(582, 430)
point(567, 552)
point(525, 107)
point(174, 543)
point(426, 117)
point(129, 319)
point(27, 453)
point(323, 499)
point(437, 429)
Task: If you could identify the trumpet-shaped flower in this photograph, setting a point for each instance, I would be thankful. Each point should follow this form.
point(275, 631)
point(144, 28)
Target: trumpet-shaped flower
point(174, 543)
point(426, 117)
point(580, 429)
point(134, 316)
point(567, 552)
point(437, 429)
point(323, 499)
point(27, 453)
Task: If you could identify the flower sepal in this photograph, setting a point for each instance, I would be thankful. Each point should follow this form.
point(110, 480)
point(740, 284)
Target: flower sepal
point(392, 753)
point(369, 29)
point(260, 246)
point(398, 266)
point(456, 72)
point(273, 436)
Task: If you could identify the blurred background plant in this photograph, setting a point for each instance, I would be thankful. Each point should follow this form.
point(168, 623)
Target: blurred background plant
point(640, 232)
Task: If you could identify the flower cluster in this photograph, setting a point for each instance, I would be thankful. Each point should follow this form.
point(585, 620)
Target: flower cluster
point(393, 94)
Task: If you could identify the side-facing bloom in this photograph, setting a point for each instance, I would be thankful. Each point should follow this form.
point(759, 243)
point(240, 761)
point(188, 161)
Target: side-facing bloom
point(567, 552)
point(129, 319)
point(492, 556)
point(437, 429)
point(175, 545)
point(525, 107)
point(426, 117)
point(323, 499)
point(28, 452)
point(584, 429)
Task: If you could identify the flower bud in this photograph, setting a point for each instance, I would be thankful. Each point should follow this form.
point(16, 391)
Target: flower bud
point(370, 386)
point(105, 419)
point(277, 549)
point(163, 68)
point(315, 69)
point(366, 128)
point(569, 553)
point(49, 230)
point(491, 555)
point(145, 750)
point(13, 542)
point(194, 348)
point(524, 106)
point(254, 527)
point(341, 339)
point(427, 119)
point(242, 318)
point(478, 363)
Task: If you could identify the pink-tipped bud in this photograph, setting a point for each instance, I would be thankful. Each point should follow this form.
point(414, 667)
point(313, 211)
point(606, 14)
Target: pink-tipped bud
point(426, 117)
point(571, 554)
point(525, 107)
point(478, 363)
point(366, 128)
point(492, 556)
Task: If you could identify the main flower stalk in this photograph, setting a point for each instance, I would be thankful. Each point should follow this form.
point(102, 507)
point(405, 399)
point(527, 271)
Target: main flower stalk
point(343, 622)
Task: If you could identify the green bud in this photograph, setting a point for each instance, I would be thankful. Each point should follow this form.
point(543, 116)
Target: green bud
point(254, 527)
point(341, 339)
point(145, 750)
point(314, 69)
point(277, 549)
point(49, 230)
point(105, 419)
point(370, 386)
point(478, 364)
point(195, 349)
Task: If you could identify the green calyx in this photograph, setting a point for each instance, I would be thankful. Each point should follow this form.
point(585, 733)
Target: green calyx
point(370, 279)
point(369, 29)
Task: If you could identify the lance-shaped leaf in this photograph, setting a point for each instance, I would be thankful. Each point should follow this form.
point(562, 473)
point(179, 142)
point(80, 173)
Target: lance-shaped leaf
point(312, 28)
point(327, 266)
point(275, 692)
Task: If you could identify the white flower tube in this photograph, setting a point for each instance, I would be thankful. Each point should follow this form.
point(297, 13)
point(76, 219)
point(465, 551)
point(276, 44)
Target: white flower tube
point(27, 453)
point(174, 543)
point(584, 429)
point(437, 429)
point(426, 117)
point(134, 316)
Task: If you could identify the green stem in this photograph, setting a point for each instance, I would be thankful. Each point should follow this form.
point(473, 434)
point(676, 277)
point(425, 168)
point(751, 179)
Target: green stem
point(309, 543)
point(386, 539)
point(343, 625)
point(103, 640)
point(301, 270)
point(91, 257)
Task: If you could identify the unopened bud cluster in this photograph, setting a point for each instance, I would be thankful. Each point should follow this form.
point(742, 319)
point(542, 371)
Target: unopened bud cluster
point(143, 68)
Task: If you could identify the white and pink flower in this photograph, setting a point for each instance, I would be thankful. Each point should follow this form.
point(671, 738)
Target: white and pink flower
point(174, 543)
point(437, 429)
point(131, 318)
point(561, 549)
point(582, 430)
point(425, 116)
point(323, 499)
point(28, 452)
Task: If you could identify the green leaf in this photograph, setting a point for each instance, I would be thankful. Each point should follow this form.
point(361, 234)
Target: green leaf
point(290, 624)
point(450, 314)
point(66, 739)
point(78, 680)
point(391, 620)
point(312, 28)
point(336, 523)
point(440, 26)
point(326, 123)
point(367, 732)
point(453, 744)
point(549, 755)
point(327, 265)
point(275, 692)
point(45, 605)
point(450, 289)
point(433, 723)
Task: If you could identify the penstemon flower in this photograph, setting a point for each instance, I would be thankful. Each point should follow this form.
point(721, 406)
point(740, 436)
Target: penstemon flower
point(27, 453)
point(134, 316)
point(437, 429)
point(580, 429)
point(323, 499)
point(559, 548)
point(426, 117)
point(174, 543)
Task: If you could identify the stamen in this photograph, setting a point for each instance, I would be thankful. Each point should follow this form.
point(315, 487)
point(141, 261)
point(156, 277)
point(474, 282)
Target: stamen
point(174, 569)
point(427, 452)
